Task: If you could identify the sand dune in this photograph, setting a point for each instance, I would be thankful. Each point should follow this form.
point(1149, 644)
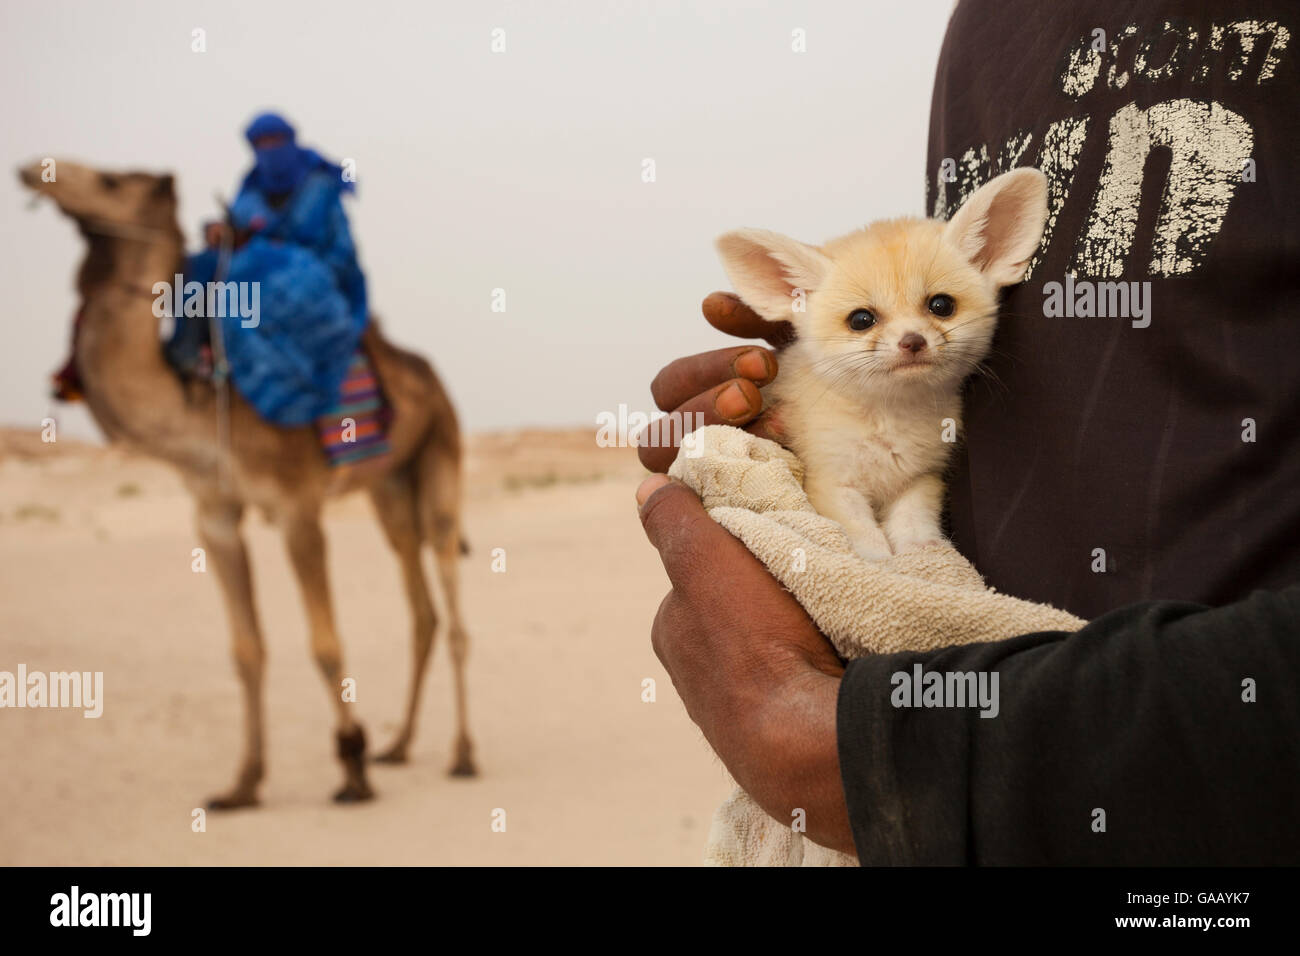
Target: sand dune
point(95, 574)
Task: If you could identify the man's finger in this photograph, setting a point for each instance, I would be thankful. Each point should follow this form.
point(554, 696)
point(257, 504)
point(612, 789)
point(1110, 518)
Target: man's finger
point(680, 381)
point(767, 426)
point(726, 313)
point(691, 545)
point(732, 403)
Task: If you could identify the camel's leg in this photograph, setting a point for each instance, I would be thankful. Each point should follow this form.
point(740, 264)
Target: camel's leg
point(218, 526)
point(306, 546)
point(438, 474)
point(395, 503)
point(448, 553)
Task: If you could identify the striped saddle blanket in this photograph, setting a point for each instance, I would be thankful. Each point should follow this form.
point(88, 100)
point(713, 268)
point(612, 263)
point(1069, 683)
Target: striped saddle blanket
point(356, 429)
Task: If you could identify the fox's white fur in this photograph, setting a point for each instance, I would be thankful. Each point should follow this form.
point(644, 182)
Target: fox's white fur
point(868, 410)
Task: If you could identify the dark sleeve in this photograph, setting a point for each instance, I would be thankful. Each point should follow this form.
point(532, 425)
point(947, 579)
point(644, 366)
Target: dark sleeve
point(1180, 723)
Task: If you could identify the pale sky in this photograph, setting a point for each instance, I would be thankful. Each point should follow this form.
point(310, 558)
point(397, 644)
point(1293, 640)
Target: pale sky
point(478, 170)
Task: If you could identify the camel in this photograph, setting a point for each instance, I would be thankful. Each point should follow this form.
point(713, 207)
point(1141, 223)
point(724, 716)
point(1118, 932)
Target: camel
point(129, 223)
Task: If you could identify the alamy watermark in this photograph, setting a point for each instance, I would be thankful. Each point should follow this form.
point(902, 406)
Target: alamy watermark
point(629, 429)
point(1086, 299)
point(214, 300)
point(60, 689)
point(75, 908)
point(946, 689)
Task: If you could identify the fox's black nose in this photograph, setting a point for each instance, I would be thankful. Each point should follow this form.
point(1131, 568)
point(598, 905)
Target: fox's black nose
point(912, 342)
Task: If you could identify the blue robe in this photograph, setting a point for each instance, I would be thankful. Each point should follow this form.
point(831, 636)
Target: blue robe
point(312, 293)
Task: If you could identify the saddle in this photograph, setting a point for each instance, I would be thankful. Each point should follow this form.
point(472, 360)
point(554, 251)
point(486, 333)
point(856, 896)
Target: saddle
point(355, 429)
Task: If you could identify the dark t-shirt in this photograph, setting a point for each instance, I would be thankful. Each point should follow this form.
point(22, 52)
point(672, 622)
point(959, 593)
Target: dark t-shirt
point(1108, 460)
point(1149, 454)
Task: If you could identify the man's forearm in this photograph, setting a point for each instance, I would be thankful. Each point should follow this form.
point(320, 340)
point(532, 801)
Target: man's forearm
point(785, 757)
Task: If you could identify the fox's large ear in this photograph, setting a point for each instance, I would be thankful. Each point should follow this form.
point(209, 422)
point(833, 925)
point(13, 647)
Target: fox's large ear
point(998, 228)
point(766, 268)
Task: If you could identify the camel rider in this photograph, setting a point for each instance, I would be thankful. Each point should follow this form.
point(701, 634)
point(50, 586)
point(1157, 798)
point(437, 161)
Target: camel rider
point(296, 194)
point(292, 250)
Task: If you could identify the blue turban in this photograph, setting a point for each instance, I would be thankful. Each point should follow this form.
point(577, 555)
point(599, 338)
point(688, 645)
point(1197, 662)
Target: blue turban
point(279, 169)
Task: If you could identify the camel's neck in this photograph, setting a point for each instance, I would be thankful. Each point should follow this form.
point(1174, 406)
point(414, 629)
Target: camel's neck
point(132, 392)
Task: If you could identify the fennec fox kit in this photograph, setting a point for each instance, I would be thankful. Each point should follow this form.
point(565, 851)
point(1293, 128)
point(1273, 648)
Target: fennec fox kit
point(891, 319)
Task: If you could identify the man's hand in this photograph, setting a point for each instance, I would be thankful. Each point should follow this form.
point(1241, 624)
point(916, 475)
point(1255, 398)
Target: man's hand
point(722, 385)
point(751, 667)
point(214, 233)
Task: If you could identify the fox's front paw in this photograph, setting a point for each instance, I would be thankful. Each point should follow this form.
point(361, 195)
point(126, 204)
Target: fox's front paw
point(871, 547)
point(916, 544)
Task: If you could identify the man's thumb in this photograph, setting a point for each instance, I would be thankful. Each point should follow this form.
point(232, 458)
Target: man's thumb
point(689, 542)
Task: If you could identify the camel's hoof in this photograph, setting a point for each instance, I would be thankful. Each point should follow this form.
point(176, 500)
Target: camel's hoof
point(354, 793)
point(233, 801)
point(463, 767)
point(395, 754)
point(352, 751)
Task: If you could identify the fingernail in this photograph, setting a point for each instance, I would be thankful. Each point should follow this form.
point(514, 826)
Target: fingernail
point(649, 487)
point(752, 365)
point(721, 303)
point(731, 403)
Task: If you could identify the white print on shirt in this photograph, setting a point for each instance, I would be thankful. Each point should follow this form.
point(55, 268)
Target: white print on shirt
point(1208, 144)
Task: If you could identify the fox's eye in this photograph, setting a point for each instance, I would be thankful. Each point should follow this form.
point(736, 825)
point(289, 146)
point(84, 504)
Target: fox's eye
point(861, 319)
point(942, 305)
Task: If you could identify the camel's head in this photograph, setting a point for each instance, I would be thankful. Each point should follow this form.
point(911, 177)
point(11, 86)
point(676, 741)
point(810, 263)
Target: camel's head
point(90, 196)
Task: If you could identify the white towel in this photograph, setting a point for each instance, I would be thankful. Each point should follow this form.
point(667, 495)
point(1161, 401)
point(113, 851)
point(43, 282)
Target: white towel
point(921, 600)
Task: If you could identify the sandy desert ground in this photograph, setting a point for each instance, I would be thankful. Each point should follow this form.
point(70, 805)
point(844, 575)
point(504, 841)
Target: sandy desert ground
point(95, 574)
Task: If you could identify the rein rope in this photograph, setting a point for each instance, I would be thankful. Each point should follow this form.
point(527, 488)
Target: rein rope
point(125, 230)
point(221, 370)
